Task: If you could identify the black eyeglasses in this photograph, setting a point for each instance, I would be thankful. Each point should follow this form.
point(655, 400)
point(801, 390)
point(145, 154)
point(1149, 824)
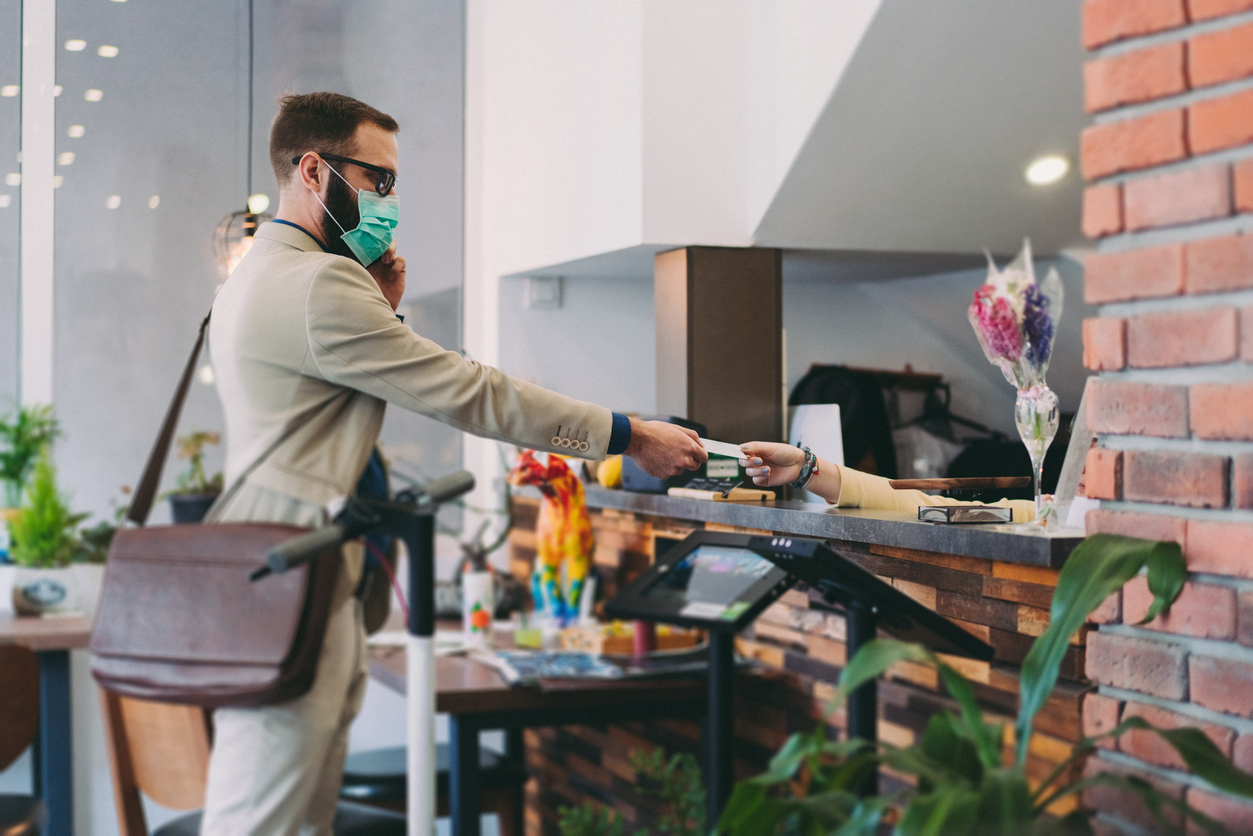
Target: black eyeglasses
point(386, 179)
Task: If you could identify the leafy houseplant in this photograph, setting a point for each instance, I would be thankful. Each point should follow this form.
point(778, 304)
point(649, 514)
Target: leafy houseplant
point(44, 543)
point(964, 782)
point(22, 436)
point(195, 491)
point(674, 781)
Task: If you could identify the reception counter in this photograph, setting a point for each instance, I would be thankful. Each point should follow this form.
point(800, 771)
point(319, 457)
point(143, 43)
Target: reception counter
point(995, 581)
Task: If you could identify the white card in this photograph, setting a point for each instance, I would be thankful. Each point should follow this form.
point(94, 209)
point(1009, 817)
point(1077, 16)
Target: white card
point(721, 448)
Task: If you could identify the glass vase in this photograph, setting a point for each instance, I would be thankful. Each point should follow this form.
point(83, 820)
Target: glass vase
point(1035, 414)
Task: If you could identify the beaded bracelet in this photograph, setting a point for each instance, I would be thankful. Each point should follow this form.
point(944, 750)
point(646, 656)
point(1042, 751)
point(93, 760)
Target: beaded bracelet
point(807, 470)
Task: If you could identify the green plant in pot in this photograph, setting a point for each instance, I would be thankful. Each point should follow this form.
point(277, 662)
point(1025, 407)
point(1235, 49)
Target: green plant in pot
point(44, 543)
point(963, 780)
point(22, 435)
point(195, 491)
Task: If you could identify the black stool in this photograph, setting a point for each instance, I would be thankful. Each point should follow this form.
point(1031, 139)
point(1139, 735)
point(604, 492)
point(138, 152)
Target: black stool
point(21, 815)
point(378, 777)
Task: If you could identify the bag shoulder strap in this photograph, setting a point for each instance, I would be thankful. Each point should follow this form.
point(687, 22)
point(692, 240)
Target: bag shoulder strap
point(146, 492)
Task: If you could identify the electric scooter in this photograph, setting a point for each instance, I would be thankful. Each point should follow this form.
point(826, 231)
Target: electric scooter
point(411, 517)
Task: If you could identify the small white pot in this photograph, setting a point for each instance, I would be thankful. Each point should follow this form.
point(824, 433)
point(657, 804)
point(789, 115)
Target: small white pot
point(45, 591)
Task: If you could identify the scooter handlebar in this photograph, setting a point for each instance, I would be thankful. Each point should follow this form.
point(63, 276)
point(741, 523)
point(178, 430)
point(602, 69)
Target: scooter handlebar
point(300, 550)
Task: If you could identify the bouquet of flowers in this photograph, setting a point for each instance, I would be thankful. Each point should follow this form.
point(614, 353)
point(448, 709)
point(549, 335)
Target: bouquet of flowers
point(1015, 319)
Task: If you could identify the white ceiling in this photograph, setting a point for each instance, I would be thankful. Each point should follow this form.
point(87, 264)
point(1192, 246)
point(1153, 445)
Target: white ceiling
point(923, 144)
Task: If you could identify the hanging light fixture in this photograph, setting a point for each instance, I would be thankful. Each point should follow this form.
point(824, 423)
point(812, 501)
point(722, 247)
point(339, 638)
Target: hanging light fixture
point(234, 234)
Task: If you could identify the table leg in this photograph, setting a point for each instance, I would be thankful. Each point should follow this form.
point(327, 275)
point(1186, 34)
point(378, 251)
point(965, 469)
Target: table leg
point(465, 794)
point(53, 761)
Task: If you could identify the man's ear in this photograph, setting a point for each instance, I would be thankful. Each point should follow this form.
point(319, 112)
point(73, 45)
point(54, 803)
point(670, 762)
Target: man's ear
point(310, 172)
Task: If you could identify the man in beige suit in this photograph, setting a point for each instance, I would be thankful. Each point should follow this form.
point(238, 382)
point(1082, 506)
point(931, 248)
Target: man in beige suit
point(307, 352)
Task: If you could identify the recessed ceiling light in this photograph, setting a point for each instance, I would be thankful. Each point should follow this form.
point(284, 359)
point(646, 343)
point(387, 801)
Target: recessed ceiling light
point(113, 202)
point(75, 45)
point(57, 180)
point(1047, 169)
point(93, 95)
point(56, 90)
point(12, 179)
point(155, 200)
point(10, 90)
point(258, 203)
point(66, 158)
point(76, 131)
point(107, 51)
point(5, 201)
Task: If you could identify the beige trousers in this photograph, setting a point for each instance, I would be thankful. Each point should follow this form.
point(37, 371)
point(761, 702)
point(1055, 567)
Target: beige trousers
point(276, 770)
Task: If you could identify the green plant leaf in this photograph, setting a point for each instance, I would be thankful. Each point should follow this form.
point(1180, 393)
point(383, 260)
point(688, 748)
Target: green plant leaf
point(877, 655)
point(1098, 567)
point(943, 744)
point(1204, 759)
point(1153, 800)
point(1004, 802)
point(950, 810)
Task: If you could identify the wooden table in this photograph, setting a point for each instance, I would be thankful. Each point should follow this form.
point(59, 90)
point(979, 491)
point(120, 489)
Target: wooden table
point(476, 698)
point(52, 639)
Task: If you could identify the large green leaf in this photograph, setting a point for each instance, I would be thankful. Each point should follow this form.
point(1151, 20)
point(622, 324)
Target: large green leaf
point(877, 655)
point(1203, 758)
point(1095, 570)
point(1004, 802)
point(1153, 800)
point(944, 745)
point(950, 810)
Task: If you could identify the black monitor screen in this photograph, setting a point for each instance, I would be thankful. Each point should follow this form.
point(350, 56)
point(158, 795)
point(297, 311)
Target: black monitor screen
point(711, 580)
point(708, 579)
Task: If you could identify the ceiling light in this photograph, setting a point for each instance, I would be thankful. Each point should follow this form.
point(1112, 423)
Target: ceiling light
point(57, 180)
point(9, 90)
point(113, 202)
point(12, 179)
point(56, 90)
point(155, 200)
point(75, 45)
point(258, 203)
point(66, 158)
point(93, 95)
point(5, 201)
point(1047, 169)
point(107, 51)
point(76, 131)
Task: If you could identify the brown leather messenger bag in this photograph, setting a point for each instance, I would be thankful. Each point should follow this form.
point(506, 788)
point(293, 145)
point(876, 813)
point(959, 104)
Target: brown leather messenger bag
point(179, 620)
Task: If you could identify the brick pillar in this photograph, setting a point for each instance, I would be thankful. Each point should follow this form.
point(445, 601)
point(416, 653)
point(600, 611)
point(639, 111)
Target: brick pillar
point(1169, 163)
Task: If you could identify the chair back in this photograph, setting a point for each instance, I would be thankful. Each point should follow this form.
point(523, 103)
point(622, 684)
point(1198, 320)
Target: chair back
point(19, 702)
point(158, 749)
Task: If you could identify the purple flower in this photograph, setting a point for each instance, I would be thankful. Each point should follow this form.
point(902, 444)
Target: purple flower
point(1037, 326)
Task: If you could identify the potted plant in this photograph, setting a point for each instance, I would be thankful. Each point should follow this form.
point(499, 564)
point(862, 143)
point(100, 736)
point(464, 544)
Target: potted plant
point(195, 491)
point(22, 435)
point(965, 781)
point(43, 546)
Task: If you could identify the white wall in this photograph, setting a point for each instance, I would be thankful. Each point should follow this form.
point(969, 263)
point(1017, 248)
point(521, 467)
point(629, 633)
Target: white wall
point(597, 347)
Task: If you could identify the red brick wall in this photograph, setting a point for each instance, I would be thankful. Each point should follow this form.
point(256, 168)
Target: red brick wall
point(1169, 164)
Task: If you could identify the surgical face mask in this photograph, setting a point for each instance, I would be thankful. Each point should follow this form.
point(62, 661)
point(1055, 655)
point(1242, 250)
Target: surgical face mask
point(373, 234)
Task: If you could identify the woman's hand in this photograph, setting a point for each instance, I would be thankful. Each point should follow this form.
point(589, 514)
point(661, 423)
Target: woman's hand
point(771, 464)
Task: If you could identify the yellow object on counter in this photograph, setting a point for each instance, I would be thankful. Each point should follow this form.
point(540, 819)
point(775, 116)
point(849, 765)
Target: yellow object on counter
point(609, 473)
point(864, 490)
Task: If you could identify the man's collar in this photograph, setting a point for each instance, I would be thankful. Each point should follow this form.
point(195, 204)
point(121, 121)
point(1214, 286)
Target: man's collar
point(286, 232)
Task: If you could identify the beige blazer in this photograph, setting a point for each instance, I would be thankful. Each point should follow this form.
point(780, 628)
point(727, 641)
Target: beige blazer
point(307, 353)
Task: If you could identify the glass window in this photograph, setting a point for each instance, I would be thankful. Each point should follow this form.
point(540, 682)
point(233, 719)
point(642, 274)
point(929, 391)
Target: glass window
point(10, 195)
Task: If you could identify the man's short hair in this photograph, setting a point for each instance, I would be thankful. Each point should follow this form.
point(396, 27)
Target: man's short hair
point(324, 122)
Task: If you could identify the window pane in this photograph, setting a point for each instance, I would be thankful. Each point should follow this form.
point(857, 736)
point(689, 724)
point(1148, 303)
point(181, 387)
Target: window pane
point(10, 195)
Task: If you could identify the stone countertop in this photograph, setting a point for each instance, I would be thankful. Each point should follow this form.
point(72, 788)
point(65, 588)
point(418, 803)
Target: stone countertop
point(1009, 542)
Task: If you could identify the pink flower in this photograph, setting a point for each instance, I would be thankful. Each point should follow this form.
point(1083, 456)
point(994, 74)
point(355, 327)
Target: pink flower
point(998, 325)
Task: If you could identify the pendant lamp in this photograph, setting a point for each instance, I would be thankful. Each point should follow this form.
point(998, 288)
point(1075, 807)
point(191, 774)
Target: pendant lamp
point(234, 234)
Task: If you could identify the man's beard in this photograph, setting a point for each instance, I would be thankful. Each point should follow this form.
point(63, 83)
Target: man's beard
point(339, 203)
